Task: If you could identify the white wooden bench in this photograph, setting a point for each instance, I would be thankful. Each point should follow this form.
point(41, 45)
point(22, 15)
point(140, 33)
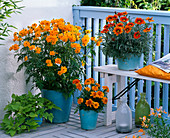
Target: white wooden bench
point(112, 75)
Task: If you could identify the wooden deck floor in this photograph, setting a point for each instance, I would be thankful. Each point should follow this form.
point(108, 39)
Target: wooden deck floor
point(72, 129)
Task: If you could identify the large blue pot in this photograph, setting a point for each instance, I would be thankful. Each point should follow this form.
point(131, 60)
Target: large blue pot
point(88, 119)
point(130, 63)
point(59, 100)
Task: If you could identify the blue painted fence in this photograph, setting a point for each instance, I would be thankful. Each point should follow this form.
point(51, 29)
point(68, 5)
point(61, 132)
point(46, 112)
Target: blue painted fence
point(94, 17)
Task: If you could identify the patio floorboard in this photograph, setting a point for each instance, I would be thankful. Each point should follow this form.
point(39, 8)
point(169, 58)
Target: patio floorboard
point(72, 129)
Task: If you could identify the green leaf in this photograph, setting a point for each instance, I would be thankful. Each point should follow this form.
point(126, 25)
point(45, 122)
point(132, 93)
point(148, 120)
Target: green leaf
point(12, 132)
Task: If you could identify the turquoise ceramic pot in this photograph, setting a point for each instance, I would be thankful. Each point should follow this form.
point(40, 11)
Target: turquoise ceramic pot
point(88, 119)
point(39, 120)
point(59, 100)
point(130, 63)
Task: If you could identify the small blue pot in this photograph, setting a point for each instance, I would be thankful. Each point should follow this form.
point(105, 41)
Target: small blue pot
point(88, 119)
point(60, 116)
point(130, 63)
point(39, 120)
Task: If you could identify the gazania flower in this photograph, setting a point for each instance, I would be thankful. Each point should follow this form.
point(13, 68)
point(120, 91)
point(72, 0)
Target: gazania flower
point(105, 30)
point(110, 18)
point(127, 29)
point(105, 88)
point(104, 100)
point(115, 17)
point(107, 26)
point(94, 88)
point(89, 102)
point(147, 30)
point(95, 105)
point(124, 13)
point(119, 13)
point(112, 24)
point(87, 89)
point(80, 100)
point(124, 19)
point(118, 30)
point(130, 24)
point(139, 21)
point(150, 19)
point(136, 35)
point(100, 94)
point(119, 25)
point(76, 81)
point(93, 94)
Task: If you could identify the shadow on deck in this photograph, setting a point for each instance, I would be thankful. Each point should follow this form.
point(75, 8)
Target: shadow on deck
point(72, 129)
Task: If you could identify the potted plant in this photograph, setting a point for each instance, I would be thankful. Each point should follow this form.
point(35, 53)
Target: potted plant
point(126, 39)
point(90, 102)
point(25, 112)
point(52, 54)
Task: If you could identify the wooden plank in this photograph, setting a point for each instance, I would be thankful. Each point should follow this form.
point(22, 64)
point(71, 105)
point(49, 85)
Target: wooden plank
point(112, 69)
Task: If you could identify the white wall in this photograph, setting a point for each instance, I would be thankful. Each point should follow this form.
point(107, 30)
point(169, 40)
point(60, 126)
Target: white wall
point(35, 10)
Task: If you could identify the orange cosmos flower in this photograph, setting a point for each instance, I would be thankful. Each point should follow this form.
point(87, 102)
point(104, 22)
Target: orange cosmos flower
point(124, 13)
point(104, 100)
point(139, 21)
point(119, 13)
point(25, 58)
point(89, 102)
point(38, 50)
point(52, 53)
point(87, 31)
point(79, 86)
point(48, 61)
point(130, 24)
point(93, 39)
point(105, 88)
point(60, 73)
point(87, 89)
point(124, 19)
point(98, 85)
point(95, 105)
point(118, 30)
point(64, 69)
point(127, 29)
point(94, 88)
point(119, 25)
point(87, 82)
point(147, 30)
point(85, 40)
point(100, 94)
point(80, 100)
point(50, 64)
point(26, 44)
point(105, 30)
point(58, 61)
point(76, 81)
point(136, 35)
point(92, 80)
point(150, 19)
point(15, 47)
point(93, 94)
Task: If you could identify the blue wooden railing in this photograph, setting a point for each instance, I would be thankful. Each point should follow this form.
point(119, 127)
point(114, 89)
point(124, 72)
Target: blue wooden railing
point(94, 18)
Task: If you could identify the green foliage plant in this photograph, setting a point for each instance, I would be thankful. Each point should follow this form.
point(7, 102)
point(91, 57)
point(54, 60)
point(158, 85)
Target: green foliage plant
point(91, 97)
point(123, 36)
point(158, 128)
point(7, 7)
point(52, 53)
point(22, 110)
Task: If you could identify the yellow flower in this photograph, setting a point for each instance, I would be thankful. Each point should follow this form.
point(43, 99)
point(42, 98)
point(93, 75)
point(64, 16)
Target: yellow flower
point(82, 63)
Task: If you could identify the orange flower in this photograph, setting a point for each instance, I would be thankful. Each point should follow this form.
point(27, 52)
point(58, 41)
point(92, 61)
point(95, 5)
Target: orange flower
point(93, 94)
point(105, 30)
point(87, 31)
point(95, 105)
point(150, 19)
point(130, 24)
point(118, 30)
point(147, 30)
point(104, 100)
point(52, 53)
point(87, 89)
point(60, 73)
point(105, 88)
point(63, 69)
point(58, 61)
point(139, 21)
point(80, 100)
point(124, 19)
point(79, 86)
point(164, 112)
point(94, 88)
point(119, 13)
point(136, 35)
point(50, 64)
point(100, 94)
point(85, 40)
point(15, 47)
point(124, 13)
point(89, 102)
point(127, 29)
point(110, 18)
point(76, 81)
point(87, 82)
point(92, 80)
point(25, 58)
point(38, 50)
point(32, 47)
point(26, 44)
point(119, 25)
point(107, 26)
point(98, 85)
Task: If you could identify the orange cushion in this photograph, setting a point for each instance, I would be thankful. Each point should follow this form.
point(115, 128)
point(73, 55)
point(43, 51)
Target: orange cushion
point(152, 71)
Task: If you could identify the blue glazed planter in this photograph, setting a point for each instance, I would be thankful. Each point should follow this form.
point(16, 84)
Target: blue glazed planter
point(88, 119)
point(60, 116)
point(131, 63)
point(39, 120)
